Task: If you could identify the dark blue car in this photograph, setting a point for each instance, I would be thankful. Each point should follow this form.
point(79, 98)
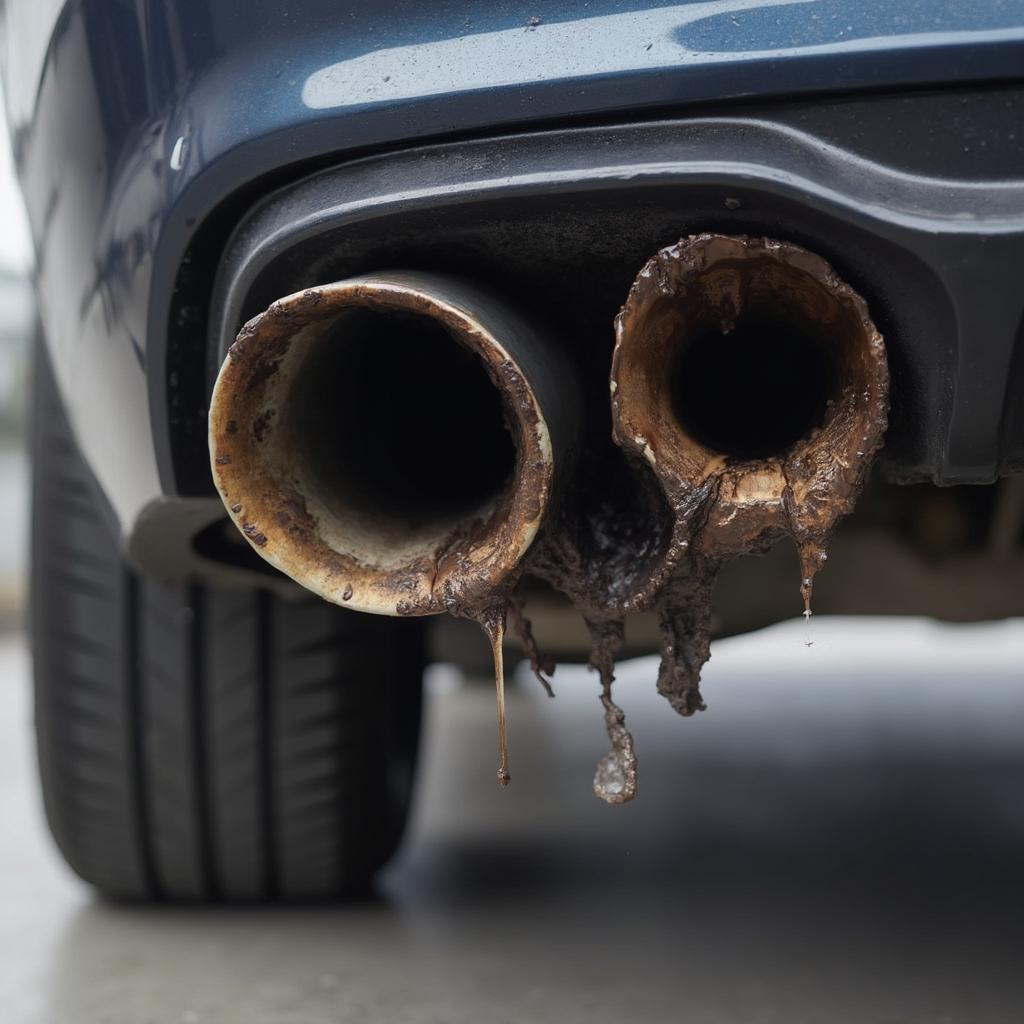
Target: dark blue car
point(354, 314)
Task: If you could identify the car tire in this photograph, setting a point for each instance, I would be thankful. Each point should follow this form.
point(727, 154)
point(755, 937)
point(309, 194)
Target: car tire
point(198, 743)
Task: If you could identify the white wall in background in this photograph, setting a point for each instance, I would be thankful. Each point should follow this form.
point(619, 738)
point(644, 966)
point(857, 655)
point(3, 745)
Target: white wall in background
point(15, 326)
point(15, 246)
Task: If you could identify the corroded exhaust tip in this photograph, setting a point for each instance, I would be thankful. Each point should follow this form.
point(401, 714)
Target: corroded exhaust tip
point(390, 441)
point(753, 382)
point(749, 362)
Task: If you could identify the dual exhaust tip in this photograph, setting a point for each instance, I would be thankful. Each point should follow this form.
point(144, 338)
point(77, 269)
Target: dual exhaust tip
point(396, 442)
point(390, 442)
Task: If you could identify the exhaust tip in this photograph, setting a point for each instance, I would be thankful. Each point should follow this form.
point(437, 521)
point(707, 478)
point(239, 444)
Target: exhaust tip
point(748, 362)
point(376, 440)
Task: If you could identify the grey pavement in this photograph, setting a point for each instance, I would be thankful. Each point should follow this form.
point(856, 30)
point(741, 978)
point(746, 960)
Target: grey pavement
point(839, 838)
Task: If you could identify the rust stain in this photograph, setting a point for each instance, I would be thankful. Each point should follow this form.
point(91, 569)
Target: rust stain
point(253, 533)
point(261, 424)
point(724, 507)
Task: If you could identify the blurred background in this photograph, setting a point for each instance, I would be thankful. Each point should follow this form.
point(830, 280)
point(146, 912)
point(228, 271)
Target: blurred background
point(15, 328)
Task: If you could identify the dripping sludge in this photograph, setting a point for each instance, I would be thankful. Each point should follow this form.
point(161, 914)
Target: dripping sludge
point(748, 397)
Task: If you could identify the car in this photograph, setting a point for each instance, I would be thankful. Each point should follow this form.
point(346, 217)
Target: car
point(367, 333)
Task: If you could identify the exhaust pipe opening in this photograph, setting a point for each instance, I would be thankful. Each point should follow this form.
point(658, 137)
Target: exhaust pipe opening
point(390, 441)
point(756, 390)
point(735, 352)
point(401, 432)
point(749, 361)
point(753, 382)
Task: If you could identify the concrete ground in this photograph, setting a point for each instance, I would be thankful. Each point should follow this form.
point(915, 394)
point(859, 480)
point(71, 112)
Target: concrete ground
point(838, 839)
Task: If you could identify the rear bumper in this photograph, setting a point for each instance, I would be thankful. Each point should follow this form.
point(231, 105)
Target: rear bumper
point(561, 220)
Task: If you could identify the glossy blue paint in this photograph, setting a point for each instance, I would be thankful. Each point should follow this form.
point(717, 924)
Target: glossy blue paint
point(145, 116)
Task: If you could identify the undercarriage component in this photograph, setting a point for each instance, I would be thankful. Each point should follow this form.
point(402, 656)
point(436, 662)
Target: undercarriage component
point(405, 493)
point(749, 396)
point(753, 383)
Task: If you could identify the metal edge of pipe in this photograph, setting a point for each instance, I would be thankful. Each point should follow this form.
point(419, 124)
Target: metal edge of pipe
point(286, 528)
point(803, 490)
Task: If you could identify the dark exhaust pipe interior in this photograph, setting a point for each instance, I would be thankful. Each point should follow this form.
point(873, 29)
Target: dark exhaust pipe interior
point(391, 441)
point(399, 424)
point(756, 390)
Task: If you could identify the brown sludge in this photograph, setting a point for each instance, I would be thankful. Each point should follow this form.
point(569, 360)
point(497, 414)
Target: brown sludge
point(492, 622)
point(650, 530)
point(725, 505)
point(615, 778)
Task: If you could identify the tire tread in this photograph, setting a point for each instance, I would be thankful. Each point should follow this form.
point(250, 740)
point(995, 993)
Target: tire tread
point(199, 744)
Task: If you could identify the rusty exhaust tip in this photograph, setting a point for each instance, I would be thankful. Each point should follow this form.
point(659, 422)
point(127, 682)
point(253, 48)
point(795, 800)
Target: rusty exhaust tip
point(754, 384)
point(748, 362)
point(390, 441)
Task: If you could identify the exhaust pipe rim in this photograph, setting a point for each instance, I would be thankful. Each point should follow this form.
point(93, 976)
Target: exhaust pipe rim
point(283, 524)
point(820, 473)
